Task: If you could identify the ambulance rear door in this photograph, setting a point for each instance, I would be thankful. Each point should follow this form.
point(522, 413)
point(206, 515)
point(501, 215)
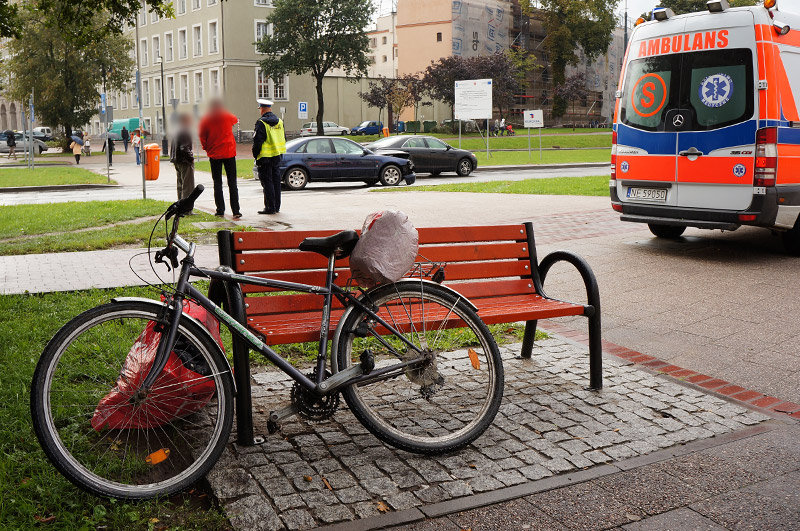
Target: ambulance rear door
point(646, 150)
point(716, 115)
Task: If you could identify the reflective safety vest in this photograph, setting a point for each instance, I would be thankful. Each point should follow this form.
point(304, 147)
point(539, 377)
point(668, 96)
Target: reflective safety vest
point(275, 143)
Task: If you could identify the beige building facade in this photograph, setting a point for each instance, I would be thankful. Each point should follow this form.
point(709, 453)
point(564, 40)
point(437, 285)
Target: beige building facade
point(208, 50)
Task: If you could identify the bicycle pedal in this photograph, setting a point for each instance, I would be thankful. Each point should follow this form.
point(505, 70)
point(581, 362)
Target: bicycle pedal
point(367, 361)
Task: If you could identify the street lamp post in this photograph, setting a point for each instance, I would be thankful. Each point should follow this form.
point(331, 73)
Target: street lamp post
point(164, 144)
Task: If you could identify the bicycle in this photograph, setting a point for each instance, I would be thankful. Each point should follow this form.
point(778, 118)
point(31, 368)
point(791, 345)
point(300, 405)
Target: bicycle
point(414, 362)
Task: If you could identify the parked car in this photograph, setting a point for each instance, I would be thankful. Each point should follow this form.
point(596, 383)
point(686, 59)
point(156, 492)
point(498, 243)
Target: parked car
point(43, 133)
point(330, 128)
point(428, 153)
point(367, 128)
point(22, 145)
point(340, 159)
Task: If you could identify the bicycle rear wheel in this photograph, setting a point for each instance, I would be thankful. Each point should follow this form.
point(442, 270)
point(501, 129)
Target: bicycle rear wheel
point(440, 405)
point(107, 437)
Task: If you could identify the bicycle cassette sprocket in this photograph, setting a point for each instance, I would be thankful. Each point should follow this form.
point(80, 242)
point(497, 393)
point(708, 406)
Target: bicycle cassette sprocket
point(312, 406)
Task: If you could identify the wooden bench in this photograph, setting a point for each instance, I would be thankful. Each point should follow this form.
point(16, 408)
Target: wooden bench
point(495, 267)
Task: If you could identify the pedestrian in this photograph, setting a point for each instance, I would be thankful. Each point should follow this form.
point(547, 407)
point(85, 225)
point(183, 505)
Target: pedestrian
point(216, 138)
point(136, 140)
point(269, 144)
point(87, 145)
point(496, 127)
point(126, 137)
point(11, 142)
point(108, 147)
point(502, 126)
point(182, 157)
point(76, 150)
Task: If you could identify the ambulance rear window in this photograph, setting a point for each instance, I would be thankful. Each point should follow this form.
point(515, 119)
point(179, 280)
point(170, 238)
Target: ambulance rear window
point(716, 85)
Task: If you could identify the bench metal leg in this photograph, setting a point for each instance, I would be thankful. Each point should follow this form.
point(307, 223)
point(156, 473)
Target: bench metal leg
point(528, 338)
point(231, 298)
point(591, 310)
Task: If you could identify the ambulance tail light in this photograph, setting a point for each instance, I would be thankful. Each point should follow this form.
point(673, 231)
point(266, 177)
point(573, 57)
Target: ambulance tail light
point(766, 163)
point(613, 155)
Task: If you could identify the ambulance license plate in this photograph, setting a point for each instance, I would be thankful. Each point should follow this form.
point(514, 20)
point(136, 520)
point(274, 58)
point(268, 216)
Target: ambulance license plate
point(658, 195)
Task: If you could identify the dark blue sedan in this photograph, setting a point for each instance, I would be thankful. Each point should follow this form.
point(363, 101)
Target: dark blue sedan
point(325, 159)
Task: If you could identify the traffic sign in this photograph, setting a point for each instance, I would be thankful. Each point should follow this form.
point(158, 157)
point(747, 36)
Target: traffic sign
point(533, 119)
point(103, 103)
point(302, 110)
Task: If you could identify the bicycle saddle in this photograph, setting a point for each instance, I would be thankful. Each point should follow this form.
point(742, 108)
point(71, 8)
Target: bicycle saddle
point(340, 244)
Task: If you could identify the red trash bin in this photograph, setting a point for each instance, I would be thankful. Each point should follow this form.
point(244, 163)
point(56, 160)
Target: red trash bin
point(152, 156)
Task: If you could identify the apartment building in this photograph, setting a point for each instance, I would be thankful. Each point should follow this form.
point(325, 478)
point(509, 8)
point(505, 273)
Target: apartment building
point(10, 111)
point(208, 50)
point(383, 47)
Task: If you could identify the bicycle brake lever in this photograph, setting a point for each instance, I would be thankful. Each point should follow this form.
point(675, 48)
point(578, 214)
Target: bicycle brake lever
point(168, 252)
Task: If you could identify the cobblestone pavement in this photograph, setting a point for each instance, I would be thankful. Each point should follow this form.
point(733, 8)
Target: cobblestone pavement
point(311, 474)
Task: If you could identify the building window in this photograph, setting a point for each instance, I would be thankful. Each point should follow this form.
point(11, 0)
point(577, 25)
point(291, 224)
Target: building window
point(159, 124)
point(147, 124)
point(157, 91)
point(371, 59)
point(263, 3)
point(383, 40)
point(373, 42)
point(438, 36)
point(143, 51)
point(182, 51)
point(153, 17)
point(212, 2)
point(197, 40)
point(146, 93)
point(156, 49)
point(262, 84)
point(143, 15)
point(181, 8)
point(213, 82)
point(184, 88)
point(170, 89)
point(212, 37)
point(198, 87)
point(262, 30)
point(195, 5)
point(124, 101)
point(280, 89)
point(168, 47)
point(384, 59)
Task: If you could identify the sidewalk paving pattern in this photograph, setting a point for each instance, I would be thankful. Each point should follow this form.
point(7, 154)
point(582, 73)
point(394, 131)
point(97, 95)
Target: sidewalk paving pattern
point(312, 474)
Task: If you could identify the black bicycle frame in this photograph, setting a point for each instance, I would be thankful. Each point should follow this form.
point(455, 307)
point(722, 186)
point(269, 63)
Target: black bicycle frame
point(184, 289)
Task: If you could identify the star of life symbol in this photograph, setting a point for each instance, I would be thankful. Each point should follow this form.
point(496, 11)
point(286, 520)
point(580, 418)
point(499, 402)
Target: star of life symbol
point(739, 170)
point(716, 90)
point(624, 167)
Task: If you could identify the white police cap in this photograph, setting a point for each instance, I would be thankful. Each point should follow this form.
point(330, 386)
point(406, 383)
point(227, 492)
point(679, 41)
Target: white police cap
point(264, 102)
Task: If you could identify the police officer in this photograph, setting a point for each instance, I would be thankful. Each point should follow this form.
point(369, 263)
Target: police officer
point(269, 143)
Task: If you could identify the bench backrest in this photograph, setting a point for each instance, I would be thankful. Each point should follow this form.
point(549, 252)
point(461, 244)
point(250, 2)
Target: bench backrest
point(482, 262)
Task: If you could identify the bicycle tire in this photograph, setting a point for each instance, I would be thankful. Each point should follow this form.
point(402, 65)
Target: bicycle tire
point(75, 470)
point(343, 355)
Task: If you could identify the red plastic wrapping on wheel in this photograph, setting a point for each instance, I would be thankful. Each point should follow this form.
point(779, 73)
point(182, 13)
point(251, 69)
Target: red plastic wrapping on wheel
point(178, 391)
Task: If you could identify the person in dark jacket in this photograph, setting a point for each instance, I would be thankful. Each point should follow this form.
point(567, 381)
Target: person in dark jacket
point(11, 142)
point(126, 137)
point(269, 144)
point(182, 157)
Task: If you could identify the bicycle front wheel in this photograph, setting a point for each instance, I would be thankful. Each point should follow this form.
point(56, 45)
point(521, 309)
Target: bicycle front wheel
point(107, 436)
point(436, 406)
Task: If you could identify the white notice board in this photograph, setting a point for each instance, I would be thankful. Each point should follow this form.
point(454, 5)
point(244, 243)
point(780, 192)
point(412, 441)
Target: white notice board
point(534, 119)
point(473, 99)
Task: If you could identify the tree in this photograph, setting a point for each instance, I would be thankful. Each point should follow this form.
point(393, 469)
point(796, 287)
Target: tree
point(440, 78)
point(376, 94)
point(573, 88)
point(317, 36)
point(415, 84)
point(568, 25)
point(76, 11)
point(689, 6)
point(65, 63)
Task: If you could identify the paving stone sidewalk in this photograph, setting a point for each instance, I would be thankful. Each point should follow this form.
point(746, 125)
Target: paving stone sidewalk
point(313, 474)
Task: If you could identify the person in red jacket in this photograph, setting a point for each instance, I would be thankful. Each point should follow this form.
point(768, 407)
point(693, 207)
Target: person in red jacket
point(216, 138)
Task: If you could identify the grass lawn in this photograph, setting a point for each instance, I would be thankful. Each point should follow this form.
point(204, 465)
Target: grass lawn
point(59, 227)
point(46, 176)
point(32, 493)
point(244, 167)
point(521, 142)
point(507, 158)
point(595, 185)
point(454, 136)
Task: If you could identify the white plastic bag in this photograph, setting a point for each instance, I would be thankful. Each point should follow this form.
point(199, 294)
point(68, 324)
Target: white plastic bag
point(386, 250)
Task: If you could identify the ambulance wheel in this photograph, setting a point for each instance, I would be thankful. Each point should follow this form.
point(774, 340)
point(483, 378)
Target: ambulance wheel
point(791, 240)
point(666, 231)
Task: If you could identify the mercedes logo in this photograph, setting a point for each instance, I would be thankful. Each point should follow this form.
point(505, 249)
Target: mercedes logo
point(677, 121)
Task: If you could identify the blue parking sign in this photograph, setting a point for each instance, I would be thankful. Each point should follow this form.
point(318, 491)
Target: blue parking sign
point(302, 110)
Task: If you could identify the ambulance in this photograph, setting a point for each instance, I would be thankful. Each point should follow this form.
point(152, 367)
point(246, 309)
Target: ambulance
point(706, 124)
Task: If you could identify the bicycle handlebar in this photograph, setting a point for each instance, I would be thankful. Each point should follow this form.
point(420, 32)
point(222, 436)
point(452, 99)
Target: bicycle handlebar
point(185, 205)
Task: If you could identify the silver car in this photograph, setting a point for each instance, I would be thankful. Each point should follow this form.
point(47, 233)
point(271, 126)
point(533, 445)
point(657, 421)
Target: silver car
point(22, 145)
point(331, 128)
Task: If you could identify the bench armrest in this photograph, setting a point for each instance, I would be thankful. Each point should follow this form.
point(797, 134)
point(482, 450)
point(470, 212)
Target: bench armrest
point(589, 280)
